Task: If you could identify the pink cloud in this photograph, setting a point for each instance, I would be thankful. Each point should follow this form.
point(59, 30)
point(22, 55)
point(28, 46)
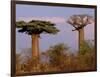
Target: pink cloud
point(56, 20)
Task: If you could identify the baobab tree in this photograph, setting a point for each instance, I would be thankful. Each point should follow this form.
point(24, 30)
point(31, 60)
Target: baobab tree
point(79, 22)
point(35, 28)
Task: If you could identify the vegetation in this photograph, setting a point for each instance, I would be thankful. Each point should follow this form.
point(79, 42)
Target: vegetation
point(35, 28)
point(57, 58)
point(60, 59)
point(79, 22)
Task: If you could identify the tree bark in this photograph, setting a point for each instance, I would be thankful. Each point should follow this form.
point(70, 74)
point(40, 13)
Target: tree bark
point(81, 37)
point(35, 46)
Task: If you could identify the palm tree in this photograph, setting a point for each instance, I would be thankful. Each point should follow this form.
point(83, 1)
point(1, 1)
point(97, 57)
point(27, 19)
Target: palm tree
point(35, 28)
point(79, 22)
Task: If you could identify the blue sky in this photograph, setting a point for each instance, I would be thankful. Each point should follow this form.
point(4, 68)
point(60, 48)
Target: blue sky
point(57, 15)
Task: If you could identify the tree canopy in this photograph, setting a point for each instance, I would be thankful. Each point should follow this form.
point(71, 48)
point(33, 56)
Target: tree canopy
point(36, 27)
point(79, 21)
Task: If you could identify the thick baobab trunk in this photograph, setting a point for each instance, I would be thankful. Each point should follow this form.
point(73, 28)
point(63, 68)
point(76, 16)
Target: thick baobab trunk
point(35, 46)
point(81, 37)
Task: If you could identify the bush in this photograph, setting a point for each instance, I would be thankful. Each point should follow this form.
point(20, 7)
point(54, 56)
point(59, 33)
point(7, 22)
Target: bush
point(59, 59)
point(86, 47)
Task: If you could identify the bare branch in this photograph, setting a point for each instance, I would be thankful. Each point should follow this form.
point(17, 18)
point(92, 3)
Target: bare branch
point(79, 21)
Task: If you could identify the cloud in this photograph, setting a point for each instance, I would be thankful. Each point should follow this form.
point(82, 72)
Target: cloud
point(57, 20)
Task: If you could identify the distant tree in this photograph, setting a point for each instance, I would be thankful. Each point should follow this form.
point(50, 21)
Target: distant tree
point(35, 28)
point(79, 22)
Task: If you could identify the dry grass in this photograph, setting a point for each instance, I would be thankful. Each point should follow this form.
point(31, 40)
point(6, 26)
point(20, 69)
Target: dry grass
point(59, 60)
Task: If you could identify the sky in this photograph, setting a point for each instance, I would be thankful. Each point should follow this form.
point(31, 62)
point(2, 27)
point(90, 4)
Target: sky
point(57, 15)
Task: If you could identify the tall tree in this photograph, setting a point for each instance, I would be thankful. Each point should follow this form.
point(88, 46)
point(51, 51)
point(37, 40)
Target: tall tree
point(35, 28)
point(79, 22)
